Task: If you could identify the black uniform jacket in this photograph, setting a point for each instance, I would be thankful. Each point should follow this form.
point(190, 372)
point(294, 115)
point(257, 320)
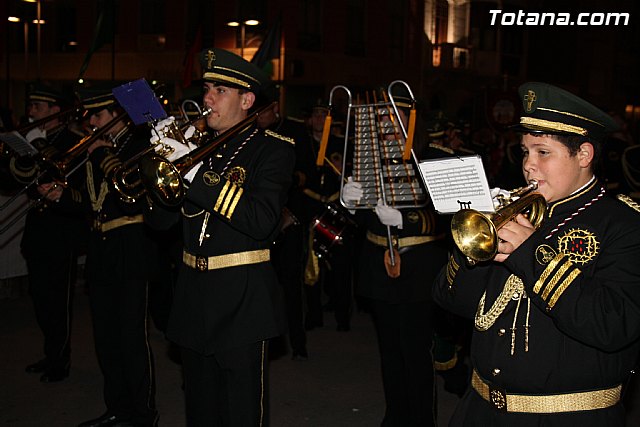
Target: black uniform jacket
point(419, 264)
point(581, 274)
point(125, 252)
point(243, 187)
point(48, 232)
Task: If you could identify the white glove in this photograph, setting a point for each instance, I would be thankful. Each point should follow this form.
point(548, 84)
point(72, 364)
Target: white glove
point(36, 133)
point(495, 193)
point(172, 149)
point(352, 191)
point(388, 215)
point(192, 173)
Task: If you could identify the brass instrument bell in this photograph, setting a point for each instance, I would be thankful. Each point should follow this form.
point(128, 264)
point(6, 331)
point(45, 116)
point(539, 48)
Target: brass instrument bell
point(476, 233)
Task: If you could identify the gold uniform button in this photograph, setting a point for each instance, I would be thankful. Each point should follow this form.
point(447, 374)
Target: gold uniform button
point(501, 332)
point(496, 372)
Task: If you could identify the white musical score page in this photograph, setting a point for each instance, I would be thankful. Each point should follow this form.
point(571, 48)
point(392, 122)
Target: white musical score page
point(456, 183)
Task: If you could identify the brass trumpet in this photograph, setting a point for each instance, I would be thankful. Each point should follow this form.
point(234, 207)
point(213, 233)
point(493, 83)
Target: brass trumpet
point(476, 233)
point(163, 179)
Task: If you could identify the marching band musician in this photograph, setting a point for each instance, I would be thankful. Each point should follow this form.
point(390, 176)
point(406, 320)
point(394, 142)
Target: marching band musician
point(51, 240)
point(121, 257)
point(557, 311)
point(227, 301)
point(289, 248)
point(319, 186)
point(399, 301)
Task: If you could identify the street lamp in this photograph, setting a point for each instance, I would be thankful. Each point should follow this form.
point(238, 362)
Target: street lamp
point(242, 25)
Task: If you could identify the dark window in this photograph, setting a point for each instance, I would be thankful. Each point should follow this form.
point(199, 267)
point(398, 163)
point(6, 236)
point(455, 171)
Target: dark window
point(310, 25)
point(356, 12)
point(152, 17)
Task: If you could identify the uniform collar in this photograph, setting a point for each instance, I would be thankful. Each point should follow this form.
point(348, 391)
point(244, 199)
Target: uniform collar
point(578, 198)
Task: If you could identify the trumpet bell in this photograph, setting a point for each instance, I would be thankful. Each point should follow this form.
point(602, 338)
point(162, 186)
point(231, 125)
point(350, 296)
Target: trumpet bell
point(162, 179)
point(475, 234)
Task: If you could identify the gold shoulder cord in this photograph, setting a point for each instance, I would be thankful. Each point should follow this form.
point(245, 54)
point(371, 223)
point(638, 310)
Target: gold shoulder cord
point(484, 321)
point(513, 289)
point(96, 202)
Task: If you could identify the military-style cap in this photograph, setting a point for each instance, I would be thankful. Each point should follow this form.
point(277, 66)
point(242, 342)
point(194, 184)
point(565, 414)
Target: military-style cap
point(46, 93)
point(96, 99)
point(228, 69)
point(549, 109)
point(436, 124)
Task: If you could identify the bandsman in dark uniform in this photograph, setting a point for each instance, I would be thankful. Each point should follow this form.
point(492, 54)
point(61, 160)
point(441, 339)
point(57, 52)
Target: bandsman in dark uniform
point(121, 257)
point(289, 249)
point(52, 239)
point(557, 310)
point(327, 271)
point(227, 302)
point(401, 305)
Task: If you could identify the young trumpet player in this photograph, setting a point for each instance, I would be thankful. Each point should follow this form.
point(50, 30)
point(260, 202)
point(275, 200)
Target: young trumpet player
point(557, 310)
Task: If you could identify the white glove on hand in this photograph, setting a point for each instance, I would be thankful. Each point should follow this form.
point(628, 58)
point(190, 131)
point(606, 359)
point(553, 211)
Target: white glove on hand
point(36, 133)
point(176, 148)
point(388, 215)
point(192, 173)
point(352, 191)
point(497, 191)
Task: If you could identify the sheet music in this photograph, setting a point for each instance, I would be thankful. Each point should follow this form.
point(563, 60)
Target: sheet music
point(139, 101)
point(456, 183)
point(18, 143)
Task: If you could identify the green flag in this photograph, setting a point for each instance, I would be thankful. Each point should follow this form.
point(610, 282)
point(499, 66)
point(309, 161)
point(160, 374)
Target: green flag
point(104, 30)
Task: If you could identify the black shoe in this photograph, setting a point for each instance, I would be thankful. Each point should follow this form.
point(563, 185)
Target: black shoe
point(310, 324)
point(38, 367)
point(299, 354)
point(106, 420)
point(53, 375)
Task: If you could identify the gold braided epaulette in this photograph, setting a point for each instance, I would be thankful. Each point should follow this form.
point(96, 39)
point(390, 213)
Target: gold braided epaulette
point(282, 137)
point(629, 202)
point(442, 148)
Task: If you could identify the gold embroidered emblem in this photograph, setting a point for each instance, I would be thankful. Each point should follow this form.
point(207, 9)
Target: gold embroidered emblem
point(210, 58)
point(581, 246)
point(413, 216)
point(530, 98)
point(236, 175)
point(544, 254)
point(211, 178)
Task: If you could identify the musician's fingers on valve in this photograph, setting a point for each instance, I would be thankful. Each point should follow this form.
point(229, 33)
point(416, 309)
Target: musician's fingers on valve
point(513, 234)
point(499, 195)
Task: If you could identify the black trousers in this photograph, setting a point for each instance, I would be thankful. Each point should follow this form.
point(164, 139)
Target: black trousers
point(119, 311)
point(51, 281)
point(405, 340)
point(336, 282)
point(228, 388)
point(287, 255)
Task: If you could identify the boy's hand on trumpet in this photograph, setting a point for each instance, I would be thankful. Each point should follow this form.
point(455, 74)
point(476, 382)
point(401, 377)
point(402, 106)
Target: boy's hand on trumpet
point(512, 235)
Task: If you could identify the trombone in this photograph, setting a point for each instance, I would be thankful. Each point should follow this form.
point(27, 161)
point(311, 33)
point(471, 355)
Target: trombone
point(164, 179)
point(62, 165)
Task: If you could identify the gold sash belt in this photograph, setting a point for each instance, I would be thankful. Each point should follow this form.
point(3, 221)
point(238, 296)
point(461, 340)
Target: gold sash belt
point(402, 242)
point(203, 263)
point(119, 222)
point(545, 404)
